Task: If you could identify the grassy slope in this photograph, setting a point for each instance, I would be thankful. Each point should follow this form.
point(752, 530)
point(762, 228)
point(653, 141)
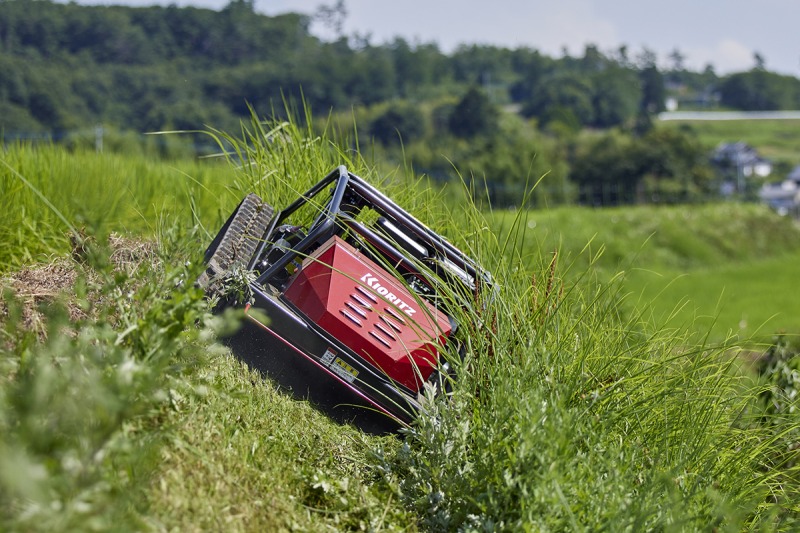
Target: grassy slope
point(744, 300)
point(210, 447)
point(775, 139)
point(725, 269)
point(243, 456)
point(571, 411)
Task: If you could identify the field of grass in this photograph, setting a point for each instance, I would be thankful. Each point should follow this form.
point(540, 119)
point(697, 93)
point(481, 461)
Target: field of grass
point(745, 301)
point(722, 270)
point(46, 189)
point(775, 139)
point(573, 410)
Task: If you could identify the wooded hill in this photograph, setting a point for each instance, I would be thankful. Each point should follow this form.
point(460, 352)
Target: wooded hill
point(498, 118)
point(65, 66)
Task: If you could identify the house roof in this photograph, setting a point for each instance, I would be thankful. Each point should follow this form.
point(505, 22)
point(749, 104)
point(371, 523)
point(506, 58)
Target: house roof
point(738, 154)
point(794, 175)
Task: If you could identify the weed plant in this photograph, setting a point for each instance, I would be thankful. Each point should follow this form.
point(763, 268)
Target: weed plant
point(80, 398)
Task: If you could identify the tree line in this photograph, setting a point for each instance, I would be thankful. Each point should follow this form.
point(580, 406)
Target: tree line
point(66, 66)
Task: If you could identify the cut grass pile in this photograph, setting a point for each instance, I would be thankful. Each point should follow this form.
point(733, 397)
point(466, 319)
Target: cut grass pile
point(571, 411)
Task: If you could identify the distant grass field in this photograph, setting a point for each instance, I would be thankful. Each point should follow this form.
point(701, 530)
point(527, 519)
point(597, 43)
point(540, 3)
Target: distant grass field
point(126, 194)
point(720, 270)
point(777, 140)
point(752, 300)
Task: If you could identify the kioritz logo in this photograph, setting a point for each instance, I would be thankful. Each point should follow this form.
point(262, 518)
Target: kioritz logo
point(374, 283)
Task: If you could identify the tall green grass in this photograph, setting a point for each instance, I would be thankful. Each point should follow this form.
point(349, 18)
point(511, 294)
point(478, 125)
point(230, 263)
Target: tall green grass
point(101, 192)
point(119, 414)
point(570, 413)
point(572, 410)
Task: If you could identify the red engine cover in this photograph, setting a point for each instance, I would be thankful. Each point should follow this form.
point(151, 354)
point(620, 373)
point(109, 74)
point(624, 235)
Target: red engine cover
point(369, 311)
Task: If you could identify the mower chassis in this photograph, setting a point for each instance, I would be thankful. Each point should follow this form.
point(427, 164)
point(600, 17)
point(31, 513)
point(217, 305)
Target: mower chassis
point(294, 359)
point(292, 349)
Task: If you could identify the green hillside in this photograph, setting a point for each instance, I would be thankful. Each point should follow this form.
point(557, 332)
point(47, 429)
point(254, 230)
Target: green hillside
point(721, 269)
point(776, 140)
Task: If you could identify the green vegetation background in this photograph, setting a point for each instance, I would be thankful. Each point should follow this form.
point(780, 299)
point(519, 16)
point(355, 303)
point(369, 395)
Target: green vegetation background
point(498, 118)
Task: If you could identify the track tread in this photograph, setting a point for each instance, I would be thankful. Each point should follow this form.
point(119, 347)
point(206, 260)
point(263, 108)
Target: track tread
point(237, 246)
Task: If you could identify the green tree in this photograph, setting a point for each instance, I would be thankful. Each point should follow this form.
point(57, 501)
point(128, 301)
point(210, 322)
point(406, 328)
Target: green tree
point(759, 90)
point(474, 115)
point(564, 96)
point(516, 163)
point(480, 64)
point(400, 122)
point(603, 170)
point(654, 93)
point(371, 78)
point(616, 97)
point(663, 166)
point(531, 67)
point(673, 166)
point(417, 67)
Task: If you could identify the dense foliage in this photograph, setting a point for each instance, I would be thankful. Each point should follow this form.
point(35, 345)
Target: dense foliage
point(661, 166)
point(65, 66)
point(502, 120)
point(759, 90)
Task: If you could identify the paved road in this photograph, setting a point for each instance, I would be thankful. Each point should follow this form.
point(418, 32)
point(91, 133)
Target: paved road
point(729, 115)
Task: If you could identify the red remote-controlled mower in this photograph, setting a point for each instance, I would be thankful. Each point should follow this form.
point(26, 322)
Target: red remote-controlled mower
point(358, 297)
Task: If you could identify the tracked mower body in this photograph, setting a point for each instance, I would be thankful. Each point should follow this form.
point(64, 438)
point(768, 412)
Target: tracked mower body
point(353, 300)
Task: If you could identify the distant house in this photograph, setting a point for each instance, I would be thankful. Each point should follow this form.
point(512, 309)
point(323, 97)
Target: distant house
point(794, 175)
point(738, 163)
point(784, 197)
point(743, 159)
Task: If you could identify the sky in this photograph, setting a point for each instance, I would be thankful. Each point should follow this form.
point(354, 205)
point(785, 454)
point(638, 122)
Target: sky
point(723, 33)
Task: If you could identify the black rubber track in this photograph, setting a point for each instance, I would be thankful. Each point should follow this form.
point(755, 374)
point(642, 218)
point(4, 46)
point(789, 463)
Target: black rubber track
point(237, 241)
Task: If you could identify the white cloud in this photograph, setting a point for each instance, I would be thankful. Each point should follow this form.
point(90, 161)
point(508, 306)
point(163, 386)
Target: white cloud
point(727, 55)
point(572, 24)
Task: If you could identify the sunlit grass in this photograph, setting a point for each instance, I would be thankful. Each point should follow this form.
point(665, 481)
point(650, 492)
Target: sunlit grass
point(574, 408)
point(721, 270)
point(742, 300)
point(105, 192)
point(571, 413)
